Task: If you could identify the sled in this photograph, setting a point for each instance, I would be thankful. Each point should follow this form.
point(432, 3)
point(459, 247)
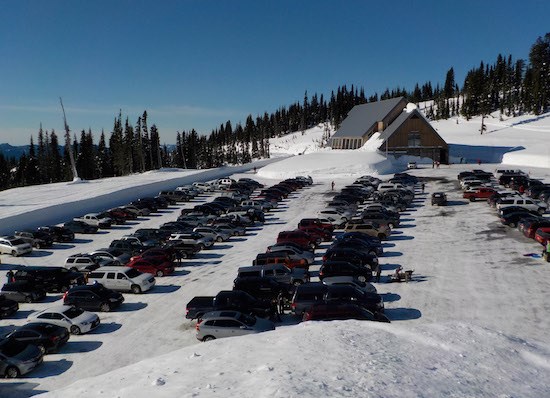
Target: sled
point(404, 276)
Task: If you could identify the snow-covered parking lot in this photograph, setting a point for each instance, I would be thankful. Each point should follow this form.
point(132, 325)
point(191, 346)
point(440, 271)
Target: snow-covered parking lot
point(472, 285)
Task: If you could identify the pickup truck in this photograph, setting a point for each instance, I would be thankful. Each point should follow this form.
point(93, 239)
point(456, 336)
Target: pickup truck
point(478, 193)
point(95, 220)
point(229, 300)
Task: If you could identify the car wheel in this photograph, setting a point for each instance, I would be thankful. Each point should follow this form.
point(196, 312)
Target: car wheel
point(381, 236)
point(512, 224)
point(201, 246)
point(12, 372)
point(14, 253)
point(219, 239)
point(160, 273)
point(208, 338)
point(472, 199)
point(297, 283)
point(361, 278)
point(28, 299)
point(75, 330)
point(136, 289)
point(373, 253)
point(105, 307)
point(41, 348)
point(37, 245)
point(74, 269)
point(391, 225)
point(542, 210)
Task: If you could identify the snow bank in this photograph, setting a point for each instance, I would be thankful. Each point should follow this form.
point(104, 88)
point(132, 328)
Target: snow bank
point(337, 359)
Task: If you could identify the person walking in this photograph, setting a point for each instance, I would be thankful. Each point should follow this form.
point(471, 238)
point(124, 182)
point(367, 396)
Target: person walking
point(546, 254)
point(332, 186)
point(11, 276)
point(423, 186)
point(378, 270)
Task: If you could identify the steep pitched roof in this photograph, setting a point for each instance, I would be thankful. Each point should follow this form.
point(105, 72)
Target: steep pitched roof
point(402, 118)
point(362, 117)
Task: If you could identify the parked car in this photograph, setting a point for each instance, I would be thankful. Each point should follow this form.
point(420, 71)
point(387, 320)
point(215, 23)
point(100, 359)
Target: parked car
point(116, 256)
point(23, 292)
point(80, 227)
point(478, 193)
point(439, 199)
point(280, 272)
point(14, 246)
point(232, 300)
point(7, 306)
point(38, 239)
point(95, 297)
point(84, 262)
point(294, 253)
point(370, 228)
point(349, 281)
point(262, 288)
point(220, 324)
point(152, 265)
point(17, 359)
point(278, 257)
point(351, 255)
point(527, 203)
point(47, 337)
point(345, 268)
point(122, 279)
point(75, 319)
point(59, 234)
point(217, 234)
point(301, 238)
point(51, 279)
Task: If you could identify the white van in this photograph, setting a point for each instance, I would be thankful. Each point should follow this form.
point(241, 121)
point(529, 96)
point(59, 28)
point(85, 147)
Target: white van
point(386, 186)
point(527, 203)
point(124, 279)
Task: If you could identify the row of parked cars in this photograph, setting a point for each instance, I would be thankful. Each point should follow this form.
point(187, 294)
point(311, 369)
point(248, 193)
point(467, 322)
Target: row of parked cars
point(259, 289)
point(370, 208)
point(280, 280)
point(93, 284)
point(519, 200)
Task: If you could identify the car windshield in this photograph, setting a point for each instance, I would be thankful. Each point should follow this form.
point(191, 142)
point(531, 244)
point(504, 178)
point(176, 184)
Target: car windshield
point(17, 242)
point(73, 312)
point(12, 348)
point(247, 319)
point(133, 273)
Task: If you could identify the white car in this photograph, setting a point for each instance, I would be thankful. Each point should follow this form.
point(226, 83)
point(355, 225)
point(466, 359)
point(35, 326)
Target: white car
point(14, 246)
point(411, 165)
point(76, 320)
point(205, 186)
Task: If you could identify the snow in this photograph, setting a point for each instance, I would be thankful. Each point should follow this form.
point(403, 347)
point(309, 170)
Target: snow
point(473, 322)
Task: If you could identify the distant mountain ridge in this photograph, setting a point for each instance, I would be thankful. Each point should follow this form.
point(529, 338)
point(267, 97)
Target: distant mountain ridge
point(10, 151)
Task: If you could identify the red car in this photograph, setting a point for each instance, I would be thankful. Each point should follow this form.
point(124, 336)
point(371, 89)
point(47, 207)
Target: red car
point(543, 235)
point(320, 235)
point(165, 254)
point(315, 222)
point(301, 238)
point(478, 193)
point(154, 266)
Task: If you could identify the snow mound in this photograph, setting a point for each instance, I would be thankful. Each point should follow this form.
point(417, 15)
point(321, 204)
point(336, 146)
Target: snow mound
point(330, 164)
point(358, 359)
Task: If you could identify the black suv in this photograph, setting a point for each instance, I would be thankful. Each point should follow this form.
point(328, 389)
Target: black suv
point(263, 288)
point(439, 199)
point(7, 306)
point(344, 268)
point(23, 292)
point(51, 279)
point(59, 234)
point(94, 297)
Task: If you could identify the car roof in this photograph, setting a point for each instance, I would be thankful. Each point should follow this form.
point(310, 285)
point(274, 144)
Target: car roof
point(54, 308)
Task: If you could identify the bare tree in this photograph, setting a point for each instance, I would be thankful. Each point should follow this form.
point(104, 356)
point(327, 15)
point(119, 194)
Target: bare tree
point(68, 146)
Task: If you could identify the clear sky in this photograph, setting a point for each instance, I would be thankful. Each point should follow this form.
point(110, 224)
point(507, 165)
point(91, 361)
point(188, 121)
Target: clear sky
point(196, 64)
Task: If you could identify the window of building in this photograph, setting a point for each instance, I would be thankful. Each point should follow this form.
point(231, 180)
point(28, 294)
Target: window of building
point(414, 139)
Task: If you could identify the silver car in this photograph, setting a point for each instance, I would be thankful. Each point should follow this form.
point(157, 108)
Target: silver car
point(220, 324)
point(217, 235)
point(17, 358)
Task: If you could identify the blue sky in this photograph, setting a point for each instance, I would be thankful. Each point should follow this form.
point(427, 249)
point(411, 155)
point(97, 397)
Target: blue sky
point(196, 64)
